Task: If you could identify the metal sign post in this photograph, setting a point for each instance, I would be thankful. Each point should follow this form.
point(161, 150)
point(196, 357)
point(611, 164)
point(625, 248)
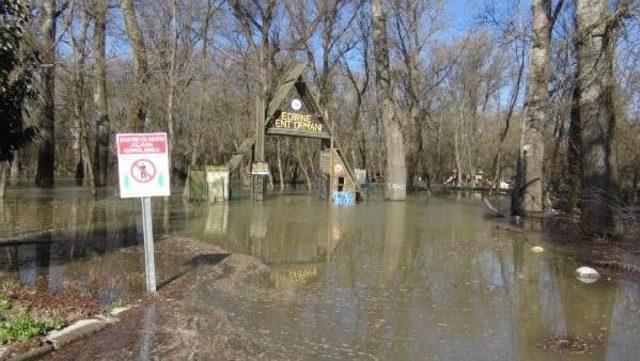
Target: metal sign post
point(143, 169)
point(149, 256)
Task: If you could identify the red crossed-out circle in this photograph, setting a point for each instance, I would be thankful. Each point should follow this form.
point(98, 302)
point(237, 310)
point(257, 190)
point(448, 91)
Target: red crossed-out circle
point(143, 171)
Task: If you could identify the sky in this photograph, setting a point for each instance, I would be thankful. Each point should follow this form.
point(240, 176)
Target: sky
point(460, 18)
point(462, 13)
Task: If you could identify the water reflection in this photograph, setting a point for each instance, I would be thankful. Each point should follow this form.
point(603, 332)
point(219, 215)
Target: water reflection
point(388, 280)
point(217, 219)
point(147, 333)
point(625, 323)
point(404, 280)
point(69, 241)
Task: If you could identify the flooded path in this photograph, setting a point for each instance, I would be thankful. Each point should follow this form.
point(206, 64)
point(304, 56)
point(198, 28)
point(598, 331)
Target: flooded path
point(429, 278)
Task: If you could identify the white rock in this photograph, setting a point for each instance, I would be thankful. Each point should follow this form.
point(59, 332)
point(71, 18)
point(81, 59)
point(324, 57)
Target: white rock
point(537, 249)
point(587, 274)
point(74, 332)
point(118, 310)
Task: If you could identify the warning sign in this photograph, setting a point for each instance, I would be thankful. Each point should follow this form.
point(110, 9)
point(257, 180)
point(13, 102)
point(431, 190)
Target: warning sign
point(143, 170)
point(143, 165)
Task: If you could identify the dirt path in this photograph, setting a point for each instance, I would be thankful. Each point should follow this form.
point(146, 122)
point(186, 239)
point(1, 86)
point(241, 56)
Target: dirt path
point(171, 325)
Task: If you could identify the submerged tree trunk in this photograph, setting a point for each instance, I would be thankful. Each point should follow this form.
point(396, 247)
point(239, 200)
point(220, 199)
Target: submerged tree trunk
point(497, 167)
point(414, 149)
point(46, 116)
point(16, 168)
point(529, 191)
point(138, 108)
point(79, 46)
point(77, 152)
point(304, 169)
point(279, 159)
point(456, 151)
point(4, 169)
point(599, 203)
point(100, 95)
point(396, 166)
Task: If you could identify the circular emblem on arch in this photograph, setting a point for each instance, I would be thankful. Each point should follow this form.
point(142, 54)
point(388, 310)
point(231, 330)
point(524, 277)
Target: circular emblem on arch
point(296, 104)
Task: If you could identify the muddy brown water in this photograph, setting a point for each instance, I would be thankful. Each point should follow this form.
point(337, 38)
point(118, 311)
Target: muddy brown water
point(430, 278)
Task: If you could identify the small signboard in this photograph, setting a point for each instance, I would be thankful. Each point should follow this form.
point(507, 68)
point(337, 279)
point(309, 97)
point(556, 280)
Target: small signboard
point(260, 168)
point(361, 176)
point(325, 161)
point(143, 165)
point(143, 172)
point(297, 119)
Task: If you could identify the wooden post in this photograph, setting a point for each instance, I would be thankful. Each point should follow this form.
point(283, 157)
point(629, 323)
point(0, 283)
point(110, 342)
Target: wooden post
point(326, 118)
point(258, 180)
point(259, 129)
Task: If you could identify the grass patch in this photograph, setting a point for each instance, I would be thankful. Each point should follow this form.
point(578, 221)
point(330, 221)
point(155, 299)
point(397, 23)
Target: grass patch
point(117, 303)
point(21, 327)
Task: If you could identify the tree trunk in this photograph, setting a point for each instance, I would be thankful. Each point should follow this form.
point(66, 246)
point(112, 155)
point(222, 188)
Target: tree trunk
point(46, 116)
point(204, 35)
point(439, 160)
point(77, 152)
point(456, 151)
point(471, 180)
point(138, 108)
point(304, 169)
point(496, 169)
point(574, 151)
point(414, 149)
point(4, 169)
point(279, 159)
point(173, 76)
point(396, 168)
point(16, 169)
point(529, 194)
point(79, 48)
point(100, 95)
point(599, 203)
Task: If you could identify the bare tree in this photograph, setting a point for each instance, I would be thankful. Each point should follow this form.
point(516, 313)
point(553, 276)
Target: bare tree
point(46, 117)
point(204, 36)
point(138, 108)
point(100, 93)
point(173, 80)
point(396, 166)
point(416, 23)
point(79, 45)
point(359, 125)
point(531, 158)
point(596, 43)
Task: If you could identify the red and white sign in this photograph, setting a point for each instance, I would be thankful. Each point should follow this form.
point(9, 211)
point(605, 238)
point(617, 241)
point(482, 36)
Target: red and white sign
point(143, 165)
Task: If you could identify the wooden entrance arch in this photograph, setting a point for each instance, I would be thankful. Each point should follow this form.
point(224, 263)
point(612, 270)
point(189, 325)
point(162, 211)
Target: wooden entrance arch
point(295, 112)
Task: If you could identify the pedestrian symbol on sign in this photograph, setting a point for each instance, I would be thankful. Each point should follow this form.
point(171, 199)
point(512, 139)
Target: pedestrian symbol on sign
point(143, 171)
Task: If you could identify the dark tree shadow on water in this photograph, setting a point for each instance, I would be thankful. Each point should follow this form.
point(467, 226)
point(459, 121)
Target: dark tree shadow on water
point(209, 259)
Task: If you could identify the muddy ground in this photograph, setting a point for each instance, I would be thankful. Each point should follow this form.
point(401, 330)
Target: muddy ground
point(617, 259)
point(171, 325)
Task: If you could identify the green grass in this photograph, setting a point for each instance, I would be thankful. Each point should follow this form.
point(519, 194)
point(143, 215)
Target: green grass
point(119, 302)
point(22, 327)
point(5, 306)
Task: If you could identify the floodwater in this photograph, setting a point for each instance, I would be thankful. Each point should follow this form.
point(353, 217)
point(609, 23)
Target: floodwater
point(430, 278)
